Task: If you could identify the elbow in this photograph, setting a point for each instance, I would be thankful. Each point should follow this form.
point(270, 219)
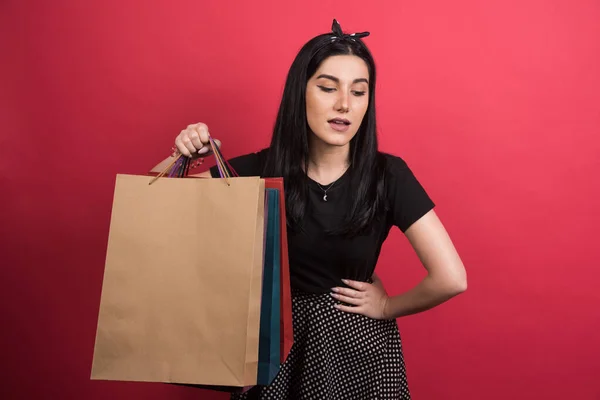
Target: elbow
point(449, 282)
point(460, 286)
point(454, 286)
point(459, 279)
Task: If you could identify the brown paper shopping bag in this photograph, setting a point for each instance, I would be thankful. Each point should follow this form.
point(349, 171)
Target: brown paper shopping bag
point(182, 285)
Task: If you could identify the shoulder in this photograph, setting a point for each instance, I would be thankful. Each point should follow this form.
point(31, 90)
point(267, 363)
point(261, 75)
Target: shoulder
point(395, 171)
point(407, 198)
point(394, 168)
point(394, 164)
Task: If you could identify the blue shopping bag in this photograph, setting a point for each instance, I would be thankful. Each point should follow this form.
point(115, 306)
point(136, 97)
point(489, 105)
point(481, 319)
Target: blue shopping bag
point(269, 339)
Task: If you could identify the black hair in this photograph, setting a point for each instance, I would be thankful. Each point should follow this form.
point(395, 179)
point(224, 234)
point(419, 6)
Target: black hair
point(288, 153)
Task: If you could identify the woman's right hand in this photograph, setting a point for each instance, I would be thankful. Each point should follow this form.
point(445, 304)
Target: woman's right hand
point(193, 141)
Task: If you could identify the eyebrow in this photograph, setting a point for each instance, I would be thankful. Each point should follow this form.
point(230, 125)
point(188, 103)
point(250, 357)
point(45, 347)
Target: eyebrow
point(336, 80)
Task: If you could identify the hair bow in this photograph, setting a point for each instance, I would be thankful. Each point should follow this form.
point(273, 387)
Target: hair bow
point(338, 34)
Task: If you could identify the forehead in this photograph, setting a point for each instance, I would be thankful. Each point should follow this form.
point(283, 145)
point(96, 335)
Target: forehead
point(344, 67)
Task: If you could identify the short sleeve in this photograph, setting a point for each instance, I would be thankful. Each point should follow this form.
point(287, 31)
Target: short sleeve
point(408, 200)
point(246, 165)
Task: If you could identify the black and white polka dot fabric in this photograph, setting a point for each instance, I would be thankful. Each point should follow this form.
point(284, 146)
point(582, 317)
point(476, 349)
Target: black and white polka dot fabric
point(337, 356)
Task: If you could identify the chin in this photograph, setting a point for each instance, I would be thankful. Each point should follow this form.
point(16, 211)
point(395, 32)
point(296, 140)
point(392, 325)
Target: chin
point(336, 139)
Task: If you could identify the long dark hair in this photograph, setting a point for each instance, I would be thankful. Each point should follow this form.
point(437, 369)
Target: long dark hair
point(288, 153)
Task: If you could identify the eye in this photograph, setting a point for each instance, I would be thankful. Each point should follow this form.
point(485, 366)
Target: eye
point(326, 89)
point(358, 94)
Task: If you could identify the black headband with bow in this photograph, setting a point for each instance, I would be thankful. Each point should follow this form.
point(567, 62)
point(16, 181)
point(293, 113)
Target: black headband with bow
point(338, 34)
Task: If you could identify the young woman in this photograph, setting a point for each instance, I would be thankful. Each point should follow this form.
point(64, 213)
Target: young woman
point(342, 196)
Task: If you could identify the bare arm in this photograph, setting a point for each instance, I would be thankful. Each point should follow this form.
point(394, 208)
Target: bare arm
point(446, 275)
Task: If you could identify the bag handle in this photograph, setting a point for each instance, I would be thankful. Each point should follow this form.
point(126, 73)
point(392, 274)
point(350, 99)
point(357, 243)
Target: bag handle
point(225, 169)
point(180, 166)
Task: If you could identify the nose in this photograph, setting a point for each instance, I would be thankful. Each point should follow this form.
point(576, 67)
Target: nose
point(343, 102)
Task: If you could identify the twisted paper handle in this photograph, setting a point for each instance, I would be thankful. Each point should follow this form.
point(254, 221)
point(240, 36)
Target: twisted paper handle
point(180, 166)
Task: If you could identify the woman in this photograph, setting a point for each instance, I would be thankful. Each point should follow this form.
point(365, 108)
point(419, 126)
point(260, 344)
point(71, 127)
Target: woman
point(342, 197)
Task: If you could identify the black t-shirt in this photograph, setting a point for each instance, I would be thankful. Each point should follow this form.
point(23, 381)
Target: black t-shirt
point(318, 261)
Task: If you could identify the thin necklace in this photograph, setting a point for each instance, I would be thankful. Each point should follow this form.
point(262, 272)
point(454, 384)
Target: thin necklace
point(330, 185)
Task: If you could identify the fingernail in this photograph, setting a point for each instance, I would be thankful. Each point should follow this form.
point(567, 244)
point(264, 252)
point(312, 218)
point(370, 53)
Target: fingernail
point(335, 289)
point(203, 150)
point(333, 294)
point(345, 280)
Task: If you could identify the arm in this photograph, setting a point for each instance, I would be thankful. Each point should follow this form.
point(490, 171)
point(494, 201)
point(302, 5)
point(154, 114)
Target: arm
point(446, 275)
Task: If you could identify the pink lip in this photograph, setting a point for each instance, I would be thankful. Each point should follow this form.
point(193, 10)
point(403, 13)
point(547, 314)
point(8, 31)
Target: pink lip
point(343, 120)
point(339, 124)
point(339, 127)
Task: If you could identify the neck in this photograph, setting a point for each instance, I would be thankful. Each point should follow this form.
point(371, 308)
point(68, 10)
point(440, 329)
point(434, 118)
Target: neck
point(327, 163)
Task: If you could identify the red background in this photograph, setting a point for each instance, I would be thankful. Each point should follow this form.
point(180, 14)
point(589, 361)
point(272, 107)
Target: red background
point(495, 105)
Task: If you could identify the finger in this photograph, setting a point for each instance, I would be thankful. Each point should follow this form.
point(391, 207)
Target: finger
point(348, 309)
point(346, 299)
point(361, 286)
point(187, 142)
point(195, 139)
point(202, 131)
point(182, 147)
point(348, 292)
point(208, 147)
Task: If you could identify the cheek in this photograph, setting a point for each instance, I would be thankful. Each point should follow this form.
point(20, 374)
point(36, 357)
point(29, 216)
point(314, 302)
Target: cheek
point(361, 107)
point(314, 107)
point(362, 102)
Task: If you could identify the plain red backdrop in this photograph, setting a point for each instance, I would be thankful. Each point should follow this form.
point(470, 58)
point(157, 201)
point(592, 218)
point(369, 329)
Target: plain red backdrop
point(495, 106)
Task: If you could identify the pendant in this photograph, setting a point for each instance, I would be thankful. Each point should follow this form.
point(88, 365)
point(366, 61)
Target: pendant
point(325, 198)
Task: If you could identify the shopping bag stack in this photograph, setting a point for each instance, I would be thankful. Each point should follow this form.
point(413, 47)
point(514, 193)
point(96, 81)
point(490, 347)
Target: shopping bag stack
point(196, 287)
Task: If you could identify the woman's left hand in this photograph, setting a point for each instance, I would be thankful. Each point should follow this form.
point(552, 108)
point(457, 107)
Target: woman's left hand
point(368, 299)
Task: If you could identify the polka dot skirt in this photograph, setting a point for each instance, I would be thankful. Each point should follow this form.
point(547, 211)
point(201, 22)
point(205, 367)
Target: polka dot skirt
point(337, 355)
